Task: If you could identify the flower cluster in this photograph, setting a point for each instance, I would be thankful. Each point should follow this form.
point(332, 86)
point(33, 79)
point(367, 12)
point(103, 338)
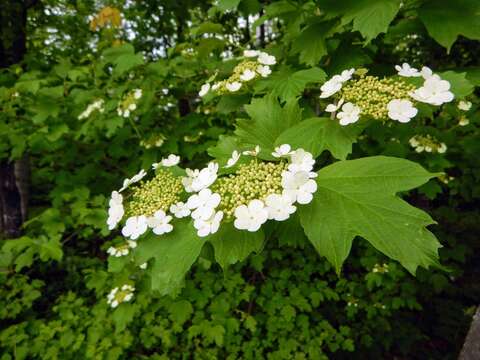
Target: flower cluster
point(129, 103)
point(122, 250)
point(96, 105)
point(153, 141)
point(358, 94)
point(428, 144)
point(255, 64)
point(120, 295)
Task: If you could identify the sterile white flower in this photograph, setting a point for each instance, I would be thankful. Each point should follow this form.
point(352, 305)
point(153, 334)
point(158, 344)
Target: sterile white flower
point(426, 72)
point(233, 159)
point(248, 75)
point(96, 105)
point(135, 226)
point(132, 107)
point(434, 91)
point(250, 53)
point(233, 86)
point(180, 210)
point(250, 217)
point(126, 113)
point(208, 226)
point(127, 182)
point(464, 105)
point(143, 266)
point(204, 90)
point(137, 94)
point(334, 107)
point(442, 148)
point(160, 222)
point(215, 86)
point(401, 110)
point(115, 211)
point(171, 160)
point(282, 150)
point(205, 177)
point(253, 152)
point(331, 87)
point(301, 160)
point(298, 186)
point(347, 74)
point(188, 180)
point(264, 70)
point(407, 71)
point(279, 207)
point(266, 59)
point(350, 113)
point(203, 204)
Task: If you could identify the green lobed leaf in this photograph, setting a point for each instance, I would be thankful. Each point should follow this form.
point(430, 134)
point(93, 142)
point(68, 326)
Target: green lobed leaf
point(358, 198)
point(174, 254)
point(318, 134)
point(460, 86)
point(445, 20)
point(231, 245)
point(311, 45)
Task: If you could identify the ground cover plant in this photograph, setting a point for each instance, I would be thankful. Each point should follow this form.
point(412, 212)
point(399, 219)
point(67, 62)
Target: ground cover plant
point(238, 179)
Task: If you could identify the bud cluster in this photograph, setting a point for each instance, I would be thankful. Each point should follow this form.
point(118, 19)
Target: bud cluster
point(254, 180)
point(156, 194)
point(129, 103)
point(428, 144)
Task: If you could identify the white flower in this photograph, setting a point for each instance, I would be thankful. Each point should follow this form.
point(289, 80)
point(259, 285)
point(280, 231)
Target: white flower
point(301, 160)
point(250, 217)
point(463, 121)
point(205, 177)
point(434, 91)
point(180, 210)
point(331, 87)
point(264, 70)
point(171, 160)
point(282, 150)
point(160, 222)
point(204, 90)
point(442, 148)
point(115, 211)
point(347, 74)
point(215, 86)
point(426, 72)
point(298, 186)
point(127, 182)
point(233, 159)
point(135, 226)
point(96, 105)
point(334, 107)
point(208, 226)
point(203, 204)
point(401, 110)
point(248, 75)
point(350, 113)
point(250, 53)
point(132, 107)
point(126, 113)
point(253, 152)
point(143, 266)
point(407, 71)
point(279, 207)
point(464, 105)
point(233, 86)
point(266, 59)
point(137, 94)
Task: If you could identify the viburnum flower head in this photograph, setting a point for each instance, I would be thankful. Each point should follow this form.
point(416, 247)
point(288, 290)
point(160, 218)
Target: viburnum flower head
point(279, 207)
point(233, 159)
point(407, 71)
point(298, 186)
point(115, 210)
point(180, 210)
point(204, 90)
point(127, 182)
point(264, 70)
point(135, 226)
point(401, 110)
point(205, 177)
point(208, 226)
point(350, 114)
point(266, 59)
point(160, 222)
point(248, 75)
point(301, 160)
point(434, 91)
point(233, 86)
point(282, 150)
point(250, 217)
point(171, 160)
point(203, 204)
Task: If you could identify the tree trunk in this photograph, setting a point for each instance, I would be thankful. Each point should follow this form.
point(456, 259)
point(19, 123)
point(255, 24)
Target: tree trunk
point(13, 175)
point(471, 347)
